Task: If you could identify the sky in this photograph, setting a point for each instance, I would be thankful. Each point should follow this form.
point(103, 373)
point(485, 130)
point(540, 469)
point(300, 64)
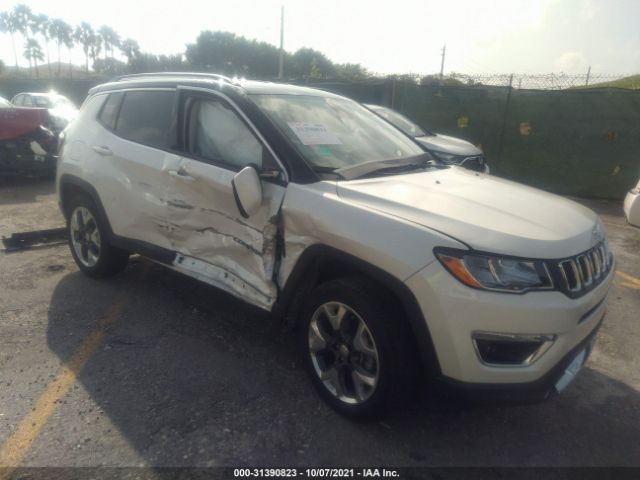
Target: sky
point(403, 36)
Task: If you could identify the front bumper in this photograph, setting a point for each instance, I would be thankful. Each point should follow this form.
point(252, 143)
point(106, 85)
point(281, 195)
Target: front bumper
point(454, 313)
point(554, 381)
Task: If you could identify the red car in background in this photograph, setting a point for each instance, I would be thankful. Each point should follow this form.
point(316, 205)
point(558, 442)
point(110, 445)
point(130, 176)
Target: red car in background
point(26, 145)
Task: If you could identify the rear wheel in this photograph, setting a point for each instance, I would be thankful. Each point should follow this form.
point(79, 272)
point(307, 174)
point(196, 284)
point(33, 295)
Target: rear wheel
point(89, 242)
point(356, 347)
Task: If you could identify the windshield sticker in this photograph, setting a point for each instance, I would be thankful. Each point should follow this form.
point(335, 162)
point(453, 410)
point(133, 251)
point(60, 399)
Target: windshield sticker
point(313, 133)
point(324, 151)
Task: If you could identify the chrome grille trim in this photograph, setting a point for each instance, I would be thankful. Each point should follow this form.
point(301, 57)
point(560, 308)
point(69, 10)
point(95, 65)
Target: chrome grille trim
point(586, 270)
point(583, 272)
point(473, 162)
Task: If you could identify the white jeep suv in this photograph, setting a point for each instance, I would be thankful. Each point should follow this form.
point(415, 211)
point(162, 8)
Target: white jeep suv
point(391, 267)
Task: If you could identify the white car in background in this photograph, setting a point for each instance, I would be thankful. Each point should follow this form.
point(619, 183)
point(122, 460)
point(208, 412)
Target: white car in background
point(632, 206)
point(446, 149)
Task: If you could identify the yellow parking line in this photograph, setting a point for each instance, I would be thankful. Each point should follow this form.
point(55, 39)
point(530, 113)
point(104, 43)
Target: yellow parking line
point(630, 285)
point(629, 278)
point(14, 449)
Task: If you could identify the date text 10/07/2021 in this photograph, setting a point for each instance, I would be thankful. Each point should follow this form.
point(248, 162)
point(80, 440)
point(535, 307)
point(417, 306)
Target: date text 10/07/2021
point(316, 472)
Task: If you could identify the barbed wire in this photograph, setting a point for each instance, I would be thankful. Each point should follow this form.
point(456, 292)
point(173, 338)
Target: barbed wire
point(548, 81)
point(535, 81)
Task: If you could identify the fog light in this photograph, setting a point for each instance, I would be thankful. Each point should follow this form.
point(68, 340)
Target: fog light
point(510, 350)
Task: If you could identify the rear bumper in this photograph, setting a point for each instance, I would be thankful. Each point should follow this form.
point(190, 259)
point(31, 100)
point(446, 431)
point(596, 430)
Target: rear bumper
point(518, 393)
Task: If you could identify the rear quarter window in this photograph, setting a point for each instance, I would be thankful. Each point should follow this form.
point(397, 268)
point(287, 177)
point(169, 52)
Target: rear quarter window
point(147, 118)
point(109, 112)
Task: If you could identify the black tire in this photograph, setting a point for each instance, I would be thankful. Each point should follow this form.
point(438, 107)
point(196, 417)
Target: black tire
point(109, 260)
point(397, 362)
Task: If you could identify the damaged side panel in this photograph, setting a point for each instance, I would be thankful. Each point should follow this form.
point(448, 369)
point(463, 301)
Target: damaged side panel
point(215, 243)
point(316, 214)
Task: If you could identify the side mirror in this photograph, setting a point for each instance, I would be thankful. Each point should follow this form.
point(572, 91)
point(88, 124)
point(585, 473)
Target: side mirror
point(247, 190)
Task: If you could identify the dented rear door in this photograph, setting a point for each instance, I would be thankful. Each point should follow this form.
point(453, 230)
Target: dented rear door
point(202, 222)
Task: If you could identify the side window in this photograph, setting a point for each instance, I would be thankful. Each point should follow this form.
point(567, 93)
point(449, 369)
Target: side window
point(41, 102)
point(26, 101)
point(147, 117)
point(107, 116)
point(18, 100)
point(216, 133)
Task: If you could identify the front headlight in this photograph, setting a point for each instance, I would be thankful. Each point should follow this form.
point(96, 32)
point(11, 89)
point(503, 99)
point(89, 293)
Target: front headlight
point(495, 272)
point(447, 158)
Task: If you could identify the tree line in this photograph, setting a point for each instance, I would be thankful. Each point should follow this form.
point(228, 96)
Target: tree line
point(38, 32)
point(222, 52)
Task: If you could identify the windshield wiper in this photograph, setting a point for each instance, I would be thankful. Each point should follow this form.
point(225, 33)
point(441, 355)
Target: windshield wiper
point(386, 167)
point(327, 170)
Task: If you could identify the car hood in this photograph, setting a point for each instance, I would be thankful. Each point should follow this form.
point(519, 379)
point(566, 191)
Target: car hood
point(444, 143)
point(485, 212)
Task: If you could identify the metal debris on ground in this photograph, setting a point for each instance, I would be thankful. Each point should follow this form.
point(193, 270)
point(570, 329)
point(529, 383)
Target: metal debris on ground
point(35, 239)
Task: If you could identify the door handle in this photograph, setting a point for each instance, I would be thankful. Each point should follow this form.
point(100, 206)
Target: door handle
point(102, 150)
point(181, 174)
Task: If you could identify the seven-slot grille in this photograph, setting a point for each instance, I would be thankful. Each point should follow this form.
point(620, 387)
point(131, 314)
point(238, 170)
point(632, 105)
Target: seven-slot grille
point(583, 272)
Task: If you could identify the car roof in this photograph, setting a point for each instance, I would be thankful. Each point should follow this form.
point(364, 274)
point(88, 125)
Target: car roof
point(212, 81)
point(39, 94)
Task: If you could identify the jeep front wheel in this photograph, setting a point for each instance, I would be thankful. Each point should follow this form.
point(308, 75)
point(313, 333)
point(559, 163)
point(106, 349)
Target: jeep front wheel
point(356, 347)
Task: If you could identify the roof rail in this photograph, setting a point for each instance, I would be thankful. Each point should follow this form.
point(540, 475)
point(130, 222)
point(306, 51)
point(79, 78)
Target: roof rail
point(214, 76)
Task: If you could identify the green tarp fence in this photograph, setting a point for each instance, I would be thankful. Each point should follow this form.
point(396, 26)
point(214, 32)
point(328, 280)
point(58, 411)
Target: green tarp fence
point(582, 142)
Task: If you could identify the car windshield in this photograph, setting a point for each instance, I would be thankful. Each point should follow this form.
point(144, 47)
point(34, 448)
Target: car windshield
point(400, 121)
point(333, 133)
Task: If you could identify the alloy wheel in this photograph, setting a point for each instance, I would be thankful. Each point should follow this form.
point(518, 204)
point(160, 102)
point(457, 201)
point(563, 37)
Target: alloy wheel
point(85, 236)
point(343, 353)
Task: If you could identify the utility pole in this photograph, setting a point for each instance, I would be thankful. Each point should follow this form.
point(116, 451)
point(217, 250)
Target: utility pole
point(281, 62)
point(444, 52)
point(588, 75)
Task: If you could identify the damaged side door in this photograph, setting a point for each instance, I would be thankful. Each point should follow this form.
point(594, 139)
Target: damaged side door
point(213, 240)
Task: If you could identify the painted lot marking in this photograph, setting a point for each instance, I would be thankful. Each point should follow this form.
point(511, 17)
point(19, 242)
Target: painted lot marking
point(17, 445)
point(629, 280)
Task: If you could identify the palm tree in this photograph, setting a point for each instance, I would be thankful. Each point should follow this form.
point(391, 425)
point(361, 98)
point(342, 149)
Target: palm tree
point(34, 22)
point(33, 52)
point(22, 17)
point(84, 36)
point(60, 31)
point(130, 49)
point(8, 25)
point(22, 14)
point(69, 43)
point(110, 39)
point(95, 46)
point(43, 23)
